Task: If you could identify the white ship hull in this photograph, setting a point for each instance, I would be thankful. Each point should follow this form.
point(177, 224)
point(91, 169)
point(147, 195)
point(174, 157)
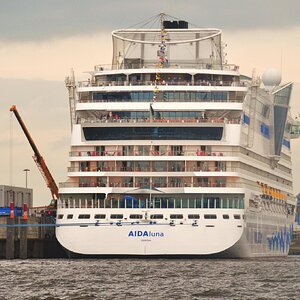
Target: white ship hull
point(234, 238)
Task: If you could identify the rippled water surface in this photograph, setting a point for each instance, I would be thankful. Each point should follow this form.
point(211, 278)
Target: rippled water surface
point(151, 279)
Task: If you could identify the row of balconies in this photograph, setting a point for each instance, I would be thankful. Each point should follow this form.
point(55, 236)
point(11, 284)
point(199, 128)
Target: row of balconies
point(155, 182)
point(161, 120)
point(151, 151)
point(151, 166)
point(150, 169)
point(166, 82)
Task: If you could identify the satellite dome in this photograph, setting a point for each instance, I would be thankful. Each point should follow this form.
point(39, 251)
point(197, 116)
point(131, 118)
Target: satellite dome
point(271, 78)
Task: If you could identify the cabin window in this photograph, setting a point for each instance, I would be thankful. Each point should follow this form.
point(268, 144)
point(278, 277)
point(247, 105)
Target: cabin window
point(69, 216)
point(194, 216)
point(84, 216)
point(116, 216)
point(99, 216)
point(176, 216)
point(60, 216)
point(226, 217)
point(156, 216)
point(210, 216)
point(237, 216)
point(135, 216)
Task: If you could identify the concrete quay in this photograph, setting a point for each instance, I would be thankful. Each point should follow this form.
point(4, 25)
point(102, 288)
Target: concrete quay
point(32, 238)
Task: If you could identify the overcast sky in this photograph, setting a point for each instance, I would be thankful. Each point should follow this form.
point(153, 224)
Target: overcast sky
point(40, 41)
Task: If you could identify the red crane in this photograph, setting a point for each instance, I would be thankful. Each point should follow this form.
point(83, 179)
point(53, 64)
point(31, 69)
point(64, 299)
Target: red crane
point(40, 162)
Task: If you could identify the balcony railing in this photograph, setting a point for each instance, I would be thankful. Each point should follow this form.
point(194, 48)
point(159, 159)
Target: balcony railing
point(148, 201)
point(163, 83)
point(151, 169)
point(209, 184)
point(161, 120)
point(188, 152)
point(170, 65)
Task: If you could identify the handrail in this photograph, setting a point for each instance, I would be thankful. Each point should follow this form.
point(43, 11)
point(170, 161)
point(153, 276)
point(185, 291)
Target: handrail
point(161, 120)
point(171, 65)
point(88, 83)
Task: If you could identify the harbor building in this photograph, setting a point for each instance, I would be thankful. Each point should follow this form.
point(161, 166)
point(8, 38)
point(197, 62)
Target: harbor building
point(17, 195)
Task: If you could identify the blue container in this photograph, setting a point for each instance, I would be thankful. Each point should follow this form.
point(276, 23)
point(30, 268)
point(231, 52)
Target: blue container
point(5, 211)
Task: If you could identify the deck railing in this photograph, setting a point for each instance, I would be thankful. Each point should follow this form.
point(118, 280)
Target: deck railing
point(154, 201)
point(153, 152)
point(89, 83)
point(161, 120)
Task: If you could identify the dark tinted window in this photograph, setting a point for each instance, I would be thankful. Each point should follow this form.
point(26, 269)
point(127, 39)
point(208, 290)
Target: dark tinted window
point(225, 216)
point(135, 216)
point(152, 133)
point(60, 216)
point(84, 216)
point(156, 216)
point(116, 216)
point(195, 216)
point(176, 216)
point(69, 216)
point(99, 216)
point(210, 216)
point(237, 216)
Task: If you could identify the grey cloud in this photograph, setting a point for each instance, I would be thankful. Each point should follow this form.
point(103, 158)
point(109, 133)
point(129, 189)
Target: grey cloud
point(37, 20)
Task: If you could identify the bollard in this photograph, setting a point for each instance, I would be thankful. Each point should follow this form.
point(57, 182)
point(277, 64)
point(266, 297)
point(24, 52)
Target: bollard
point(25, 215)
point(12, 210)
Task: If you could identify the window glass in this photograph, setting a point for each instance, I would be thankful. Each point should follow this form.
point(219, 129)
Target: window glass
point(84, 216)
point(99, 216)
point(210, 216)
point(194, 216)
point(153, 133)
point(135, 216)
point(116, 216)
point(156, 216)
point(176, 216)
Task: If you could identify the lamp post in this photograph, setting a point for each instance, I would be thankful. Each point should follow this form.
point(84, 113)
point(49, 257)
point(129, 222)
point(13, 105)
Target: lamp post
point(26, 171)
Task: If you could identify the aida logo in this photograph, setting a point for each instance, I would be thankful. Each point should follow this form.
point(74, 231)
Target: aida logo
point(145, 233)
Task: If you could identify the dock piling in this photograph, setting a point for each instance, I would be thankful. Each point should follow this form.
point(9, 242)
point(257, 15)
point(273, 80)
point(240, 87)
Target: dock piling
point(10, 239)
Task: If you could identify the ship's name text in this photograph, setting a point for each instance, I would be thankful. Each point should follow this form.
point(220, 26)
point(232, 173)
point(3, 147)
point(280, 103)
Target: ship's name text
point(148, 233)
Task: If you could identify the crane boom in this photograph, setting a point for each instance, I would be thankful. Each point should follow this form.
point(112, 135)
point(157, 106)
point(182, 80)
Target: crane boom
point(40, 162)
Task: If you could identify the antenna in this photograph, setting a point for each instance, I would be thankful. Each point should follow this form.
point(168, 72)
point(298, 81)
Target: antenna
point(161, 19)
point(281, 59)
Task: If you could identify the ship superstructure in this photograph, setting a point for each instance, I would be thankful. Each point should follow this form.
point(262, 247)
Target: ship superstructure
point(173, 152)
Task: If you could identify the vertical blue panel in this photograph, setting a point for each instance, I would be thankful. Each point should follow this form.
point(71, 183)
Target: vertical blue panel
point(246, 119)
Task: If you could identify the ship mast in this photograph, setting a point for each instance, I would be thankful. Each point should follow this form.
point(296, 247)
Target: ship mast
point(162, 60)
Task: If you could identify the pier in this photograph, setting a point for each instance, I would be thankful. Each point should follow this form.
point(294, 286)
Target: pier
point(32, 238)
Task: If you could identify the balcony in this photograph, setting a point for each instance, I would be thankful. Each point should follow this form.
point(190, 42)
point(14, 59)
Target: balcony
point(163, 83)
point(161, 120)
point(145, 185)
point(154, 152)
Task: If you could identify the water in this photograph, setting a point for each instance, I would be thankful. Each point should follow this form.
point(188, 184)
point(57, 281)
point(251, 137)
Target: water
point(151, 279)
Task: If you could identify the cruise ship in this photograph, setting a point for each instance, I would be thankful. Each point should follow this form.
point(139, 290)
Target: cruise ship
point(174, 153)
